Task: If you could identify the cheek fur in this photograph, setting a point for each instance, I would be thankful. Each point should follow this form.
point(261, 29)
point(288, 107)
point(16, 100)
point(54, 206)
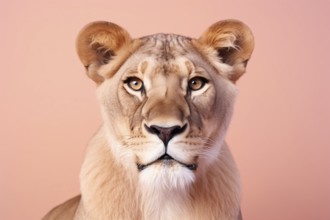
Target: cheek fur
point(206, 103)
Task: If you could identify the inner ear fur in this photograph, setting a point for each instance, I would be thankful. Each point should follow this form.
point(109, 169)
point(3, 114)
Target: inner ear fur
point(98, 43)
point(233, 42)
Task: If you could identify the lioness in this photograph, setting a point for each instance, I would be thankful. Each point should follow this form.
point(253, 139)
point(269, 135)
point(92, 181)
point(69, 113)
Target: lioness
point(166, 102)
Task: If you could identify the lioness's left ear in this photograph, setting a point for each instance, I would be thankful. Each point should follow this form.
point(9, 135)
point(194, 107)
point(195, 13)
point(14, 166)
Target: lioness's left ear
point(233, 43)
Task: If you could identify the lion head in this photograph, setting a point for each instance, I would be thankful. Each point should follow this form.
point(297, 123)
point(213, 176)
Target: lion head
point(166, 99)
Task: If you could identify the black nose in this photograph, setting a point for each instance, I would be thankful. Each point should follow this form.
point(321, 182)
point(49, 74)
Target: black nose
point(165, 133)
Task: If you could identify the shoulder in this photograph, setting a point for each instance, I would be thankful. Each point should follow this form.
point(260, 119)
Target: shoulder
point(64, 211)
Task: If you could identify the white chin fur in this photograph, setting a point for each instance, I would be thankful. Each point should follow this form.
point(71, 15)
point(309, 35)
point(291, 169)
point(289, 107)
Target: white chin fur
point(165, 191)
point(162, 177)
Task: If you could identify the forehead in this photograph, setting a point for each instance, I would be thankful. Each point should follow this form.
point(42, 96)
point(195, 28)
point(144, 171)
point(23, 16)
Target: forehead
point(165, 46)
point(165, 53)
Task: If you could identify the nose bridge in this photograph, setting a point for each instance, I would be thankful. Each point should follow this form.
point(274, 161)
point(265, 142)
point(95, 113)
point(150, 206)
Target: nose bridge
point(166, 108)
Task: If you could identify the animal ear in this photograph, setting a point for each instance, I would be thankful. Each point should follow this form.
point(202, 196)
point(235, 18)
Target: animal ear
point(98, 43)
point(232, 42)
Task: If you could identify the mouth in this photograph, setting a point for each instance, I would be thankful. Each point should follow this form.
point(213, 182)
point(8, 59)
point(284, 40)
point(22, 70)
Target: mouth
point(167, 160)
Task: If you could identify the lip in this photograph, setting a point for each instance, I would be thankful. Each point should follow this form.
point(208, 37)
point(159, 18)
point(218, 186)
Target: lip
point(167, 160)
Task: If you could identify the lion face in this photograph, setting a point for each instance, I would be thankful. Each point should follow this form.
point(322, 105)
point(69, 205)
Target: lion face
point(166, 99)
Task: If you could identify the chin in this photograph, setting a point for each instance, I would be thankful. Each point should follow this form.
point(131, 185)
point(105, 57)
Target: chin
point(166, 175)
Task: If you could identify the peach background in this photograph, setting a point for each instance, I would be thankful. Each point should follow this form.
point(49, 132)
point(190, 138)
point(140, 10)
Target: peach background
point(279, 134)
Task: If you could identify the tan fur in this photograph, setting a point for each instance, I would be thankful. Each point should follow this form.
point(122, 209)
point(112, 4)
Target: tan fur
point(125, 174)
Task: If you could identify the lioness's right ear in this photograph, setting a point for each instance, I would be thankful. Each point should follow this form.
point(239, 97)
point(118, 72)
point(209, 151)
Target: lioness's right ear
point(98, 43)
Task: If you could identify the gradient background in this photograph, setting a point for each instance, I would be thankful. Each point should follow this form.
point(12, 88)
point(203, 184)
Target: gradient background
point(279, 134)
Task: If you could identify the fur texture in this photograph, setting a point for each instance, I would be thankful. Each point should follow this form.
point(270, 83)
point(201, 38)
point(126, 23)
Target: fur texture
point(166, 102)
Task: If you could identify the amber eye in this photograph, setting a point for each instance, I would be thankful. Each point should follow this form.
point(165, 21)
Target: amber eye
point(197, 83)
point(134, 83)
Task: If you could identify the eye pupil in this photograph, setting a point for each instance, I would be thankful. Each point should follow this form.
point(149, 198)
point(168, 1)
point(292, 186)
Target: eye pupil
point(135, 83)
